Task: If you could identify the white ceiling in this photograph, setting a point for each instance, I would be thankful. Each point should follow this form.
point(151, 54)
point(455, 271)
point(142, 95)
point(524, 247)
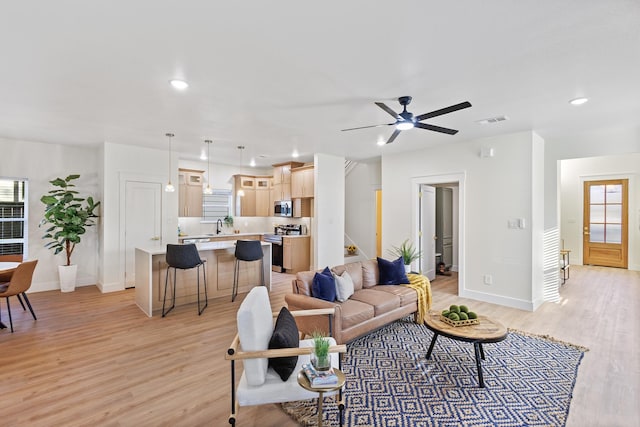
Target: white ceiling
point(289, 74)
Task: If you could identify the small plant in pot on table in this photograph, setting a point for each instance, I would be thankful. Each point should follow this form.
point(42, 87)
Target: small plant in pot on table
point(320, 358)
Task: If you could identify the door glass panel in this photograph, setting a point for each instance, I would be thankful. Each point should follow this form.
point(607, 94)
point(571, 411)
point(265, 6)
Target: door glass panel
point(597, 213)
point(596, 233)
point(614, 214)
point(614, 193)
point(614, 233)
point(597, 194)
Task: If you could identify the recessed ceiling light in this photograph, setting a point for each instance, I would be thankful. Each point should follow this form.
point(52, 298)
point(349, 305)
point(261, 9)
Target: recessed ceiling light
point(578, 101)
point(179, 84)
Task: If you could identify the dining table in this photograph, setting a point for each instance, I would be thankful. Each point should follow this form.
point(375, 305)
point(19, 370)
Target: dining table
point(7, 267)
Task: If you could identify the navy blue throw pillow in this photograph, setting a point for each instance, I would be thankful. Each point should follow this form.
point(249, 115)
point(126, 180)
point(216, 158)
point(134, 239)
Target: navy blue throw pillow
point(285, 335)
point(392, 272)
point(324, 285)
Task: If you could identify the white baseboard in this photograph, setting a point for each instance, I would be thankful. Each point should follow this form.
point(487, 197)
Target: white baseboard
point(500, 300)
point(110, 287)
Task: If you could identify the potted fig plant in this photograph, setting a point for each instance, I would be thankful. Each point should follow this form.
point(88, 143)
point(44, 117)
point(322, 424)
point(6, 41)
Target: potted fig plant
point(68, 217)
point(408, 252)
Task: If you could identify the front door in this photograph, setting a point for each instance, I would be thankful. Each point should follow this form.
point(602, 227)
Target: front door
point(143, 222)
point(605, 223)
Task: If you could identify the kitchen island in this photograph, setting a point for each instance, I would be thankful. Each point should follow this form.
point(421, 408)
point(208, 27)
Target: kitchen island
point(151, 270)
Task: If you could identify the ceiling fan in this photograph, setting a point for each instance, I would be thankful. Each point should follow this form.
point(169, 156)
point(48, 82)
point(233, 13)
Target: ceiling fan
point(406, 120)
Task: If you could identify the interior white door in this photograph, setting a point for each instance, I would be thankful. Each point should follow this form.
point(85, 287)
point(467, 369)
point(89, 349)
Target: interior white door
point(428, 230)
point(143, 221)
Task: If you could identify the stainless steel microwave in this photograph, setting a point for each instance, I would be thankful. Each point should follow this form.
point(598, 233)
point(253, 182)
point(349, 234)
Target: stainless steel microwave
point(283, 208)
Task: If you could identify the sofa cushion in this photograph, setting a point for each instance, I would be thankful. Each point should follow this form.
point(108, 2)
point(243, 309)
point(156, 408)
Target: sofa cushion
point(285, 335)
point(324, 286)
point(382, 302)
point(370, 273)
point(344, 286)
point(255, 327)
point(392, 272)
point(355, 312)
point(407, 295)
point(355, 271)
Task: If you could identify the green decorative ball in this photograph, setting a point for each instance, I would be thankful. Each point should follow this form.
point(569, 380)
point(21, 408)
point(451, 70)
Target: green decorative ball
point(445, 313)
point(454, 309)
point(454, 317)
point(464, 309)
point(472, 315)
point(463, 316)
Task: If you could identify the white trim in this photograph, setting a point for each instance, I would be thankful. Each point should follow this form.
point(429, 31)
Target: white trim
point(500, 300)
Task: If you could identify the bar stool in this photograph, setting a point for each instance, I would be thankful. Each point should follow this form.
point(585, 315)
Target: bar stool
point(247, 250)
point(184, 257)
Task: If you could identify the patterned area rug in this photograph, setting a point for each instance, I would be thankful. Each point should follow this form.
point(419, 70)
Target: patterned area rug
point(528, 382)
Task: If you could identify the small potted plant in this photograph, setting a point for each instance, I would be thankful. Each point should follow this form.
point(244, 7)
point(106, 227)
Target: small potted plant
point(320, 358)
point(408, 252)
point(68, 216)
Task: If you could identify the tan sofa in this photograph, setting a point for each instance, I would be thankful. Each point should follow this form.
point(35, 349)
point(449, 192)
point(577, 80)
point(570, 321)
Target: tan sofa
point(370, 307)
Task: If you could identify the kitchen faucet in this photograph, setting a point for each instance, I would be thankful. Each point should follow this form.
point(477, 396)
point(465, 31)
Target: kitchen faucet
point(219, 226)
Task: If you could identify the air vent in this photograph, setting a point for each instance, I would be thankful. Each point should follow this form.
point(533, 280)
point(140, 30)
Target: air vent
point(492, 120)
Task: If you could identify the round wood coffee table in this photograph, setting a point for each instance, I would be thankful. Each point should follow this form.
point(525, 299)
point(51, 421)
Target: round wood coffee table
point(487, 331)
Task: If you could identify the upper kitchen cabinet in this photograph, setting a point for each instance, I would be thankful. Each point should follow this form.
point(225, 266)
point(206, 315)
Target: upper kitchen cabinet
point(282, 180)
point(256, 199)
point(190, 192)
point(302, 183)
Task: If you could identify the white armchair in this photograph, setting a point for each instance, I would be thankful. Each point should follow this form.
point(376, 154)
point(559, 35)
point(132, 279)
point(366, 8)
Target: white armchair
point(260, 384)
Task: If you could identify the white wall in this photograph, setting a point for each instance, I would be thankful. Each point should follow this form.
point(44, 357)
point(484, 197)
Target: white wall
point(360, 206)
point(573, 174)
point(328, 223)
point(41, 163)
point(497, 189)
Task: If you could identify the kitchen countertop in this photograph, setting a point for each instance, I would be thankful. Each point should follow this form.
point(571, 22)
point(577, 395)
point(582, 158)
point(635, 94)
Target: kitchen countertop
point(205, 236)
point(209, 246)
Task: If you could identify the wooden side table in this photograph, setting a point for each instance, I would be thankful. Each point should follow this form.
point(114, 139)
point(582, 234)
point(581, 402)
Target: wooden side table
point(304, 383)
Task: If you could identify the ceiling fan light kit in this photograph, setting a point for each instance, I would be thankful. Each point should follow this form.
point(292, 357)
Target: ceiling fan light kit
point(406, 120)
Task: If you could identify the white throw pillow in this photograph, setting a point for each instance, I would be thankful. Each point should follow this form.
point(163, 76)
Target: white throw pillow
point(255, 327)
point(344, 286)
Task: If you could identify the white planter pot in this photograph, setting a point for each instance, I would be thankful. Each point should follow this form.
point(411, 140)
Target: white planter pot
point(68, 275)
point(407, 268)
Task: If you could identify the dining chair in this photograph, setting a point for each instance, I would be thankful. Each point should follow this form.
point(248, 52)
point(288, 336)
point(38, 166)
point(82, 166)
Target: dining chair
point(5, 277)
point(18, 285)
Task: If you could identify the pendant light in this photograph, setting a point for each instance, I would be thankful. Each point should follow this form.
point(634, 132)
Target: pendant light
point(169, 187)
point(241, 191)
point(208, 190)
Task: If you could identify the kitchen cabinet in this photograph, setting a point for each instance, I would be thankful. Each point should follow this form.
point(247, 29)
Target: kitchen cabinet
point(296, 253)
point(302, 183)
point(302, 207)
point(282, 180)
point(257, 195)
point(190, 192)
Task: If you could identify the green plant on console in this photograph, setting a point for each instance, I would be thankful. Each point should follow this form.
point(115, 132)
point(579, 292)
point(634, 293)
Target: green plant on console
point(68, 215)
point(228, 221)
point(407, 251)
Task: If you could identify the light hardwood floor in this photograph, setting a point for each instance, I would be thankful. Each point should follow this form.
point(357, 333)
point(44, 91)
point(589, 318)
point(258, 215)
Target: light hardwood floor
point(96, 359)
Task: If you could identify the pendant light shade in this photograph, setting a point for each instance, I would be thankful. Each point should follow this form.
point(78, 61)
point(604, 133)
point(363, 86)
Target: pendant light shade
point(208, 190)
point(240, 191)
point(169, 188)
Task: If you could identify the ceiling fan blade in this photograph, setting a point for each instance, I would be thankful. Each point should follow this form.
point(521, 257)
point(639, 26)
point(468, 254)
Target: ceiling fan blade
point(372, 126)
point(436, 128)
point(393, 136)
point(387, 109)
point(442, 111)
